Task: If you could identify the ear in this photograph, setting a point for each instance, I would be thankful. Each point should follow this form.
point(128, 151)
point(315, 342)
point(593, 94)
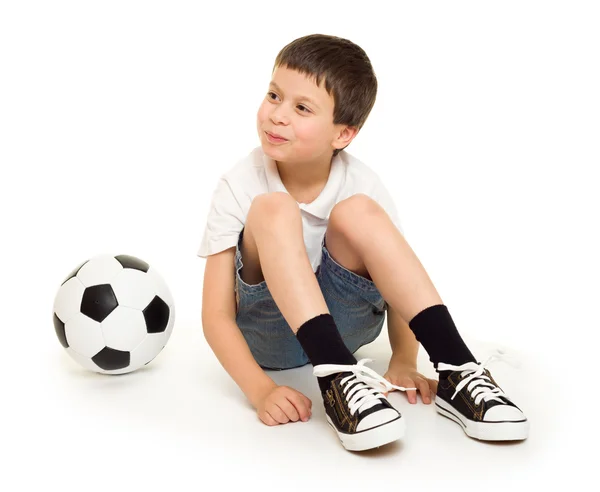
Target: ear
point(345, 135)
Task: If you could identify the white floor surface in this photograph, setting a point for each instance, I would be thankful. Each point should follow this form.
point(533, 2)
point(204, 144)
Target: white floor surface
point(182, 424)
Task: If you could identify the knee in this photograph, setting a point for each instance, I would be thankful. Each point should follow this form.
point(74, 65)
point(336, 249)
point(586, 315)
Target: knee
point(347, 213)
point(273, 208)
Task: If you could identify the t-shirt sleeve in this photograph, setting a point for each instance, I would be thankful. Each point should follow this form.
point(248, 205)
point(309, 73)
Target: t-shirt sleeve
point(224, 222)
point(382, 196)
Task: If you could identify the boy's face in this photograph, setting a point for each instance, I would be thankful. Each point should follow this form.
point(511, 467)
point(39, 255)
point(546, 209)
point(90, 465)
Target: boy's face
point(302, 113)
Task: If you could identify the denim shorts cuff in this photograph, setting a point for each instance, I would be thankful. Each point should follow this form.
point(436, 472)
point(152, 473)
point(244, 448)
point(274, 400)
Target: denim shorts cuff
point(361, 282)
point(243, 286)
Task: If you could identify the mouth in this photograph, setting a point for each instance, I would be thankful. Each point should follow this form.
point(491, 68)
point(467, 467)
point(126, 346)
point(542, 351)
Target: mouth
point(276, 138)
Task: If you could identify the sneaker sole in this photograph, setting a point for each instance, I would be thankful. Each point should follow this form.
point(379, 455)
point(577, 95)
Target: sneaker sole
point(371, 438)
point(485, 431)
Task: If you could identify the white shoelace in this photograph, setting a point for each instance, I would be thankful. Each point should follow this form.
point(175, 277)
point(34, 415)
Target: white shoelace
point(368, 384)
point(479, 385)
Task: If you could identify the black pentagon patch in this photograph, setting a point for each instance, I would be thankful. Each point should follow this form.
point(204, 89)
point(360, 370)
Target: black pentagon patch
point(110, 359)
point(156, 315)
point(132, 262)
point(59, 327)
point(98, 302)
point(74, 272)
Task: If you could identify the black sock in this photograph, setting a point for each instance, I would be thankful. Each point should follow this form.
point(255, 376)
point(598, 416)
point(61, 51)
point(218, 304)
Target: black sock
point(323, 344)
point(435, 330)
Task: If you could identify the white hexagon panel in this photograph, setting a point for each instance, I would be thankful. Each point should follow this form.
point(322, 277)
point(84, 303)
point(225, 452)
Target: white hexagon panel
point(124, 328)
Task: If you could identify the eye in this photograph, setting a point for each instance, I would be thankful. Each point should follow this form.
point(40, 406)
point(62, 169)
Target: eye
point(304, 108)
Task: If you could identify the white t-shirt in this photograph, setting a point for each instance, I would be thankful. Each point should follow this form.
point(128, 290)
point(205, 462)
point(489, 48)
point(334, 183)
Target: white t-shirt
point(257, 173)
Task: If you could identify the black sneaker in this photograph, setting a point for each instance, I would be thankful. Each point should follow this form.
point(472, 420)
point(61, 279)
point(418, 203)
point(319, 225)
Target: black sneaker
point(356, 408)
point(471, 398)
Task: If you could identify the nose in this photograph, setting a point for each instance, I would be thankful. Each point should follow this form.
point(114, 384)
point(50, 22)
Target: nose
point(279, 115)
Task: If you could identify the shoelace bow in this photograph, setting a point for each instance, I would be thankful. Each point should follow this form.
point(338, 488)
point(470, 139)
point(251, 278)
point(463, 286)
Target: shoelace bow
point(366, 384)
point(479, 386)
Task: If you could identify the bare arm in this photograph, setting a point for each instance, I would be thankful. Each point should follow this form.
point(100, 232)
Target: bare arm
point(403, 364)
point(405, 346)
point(221, 331)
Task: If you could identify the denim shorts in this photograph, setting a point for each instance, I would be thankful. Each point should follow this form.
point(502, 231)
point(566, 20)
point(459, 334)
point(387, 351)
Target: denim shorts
point(354, 302)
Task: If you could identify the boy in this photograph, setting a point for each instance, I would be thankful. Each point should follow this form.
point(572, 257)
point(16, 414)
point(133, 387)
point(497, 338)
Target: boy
point(305, 254)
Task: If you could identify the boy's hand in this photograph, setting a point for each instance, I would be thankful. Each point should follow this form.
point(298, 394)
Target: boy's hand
point(283, 404)
point(404, 374)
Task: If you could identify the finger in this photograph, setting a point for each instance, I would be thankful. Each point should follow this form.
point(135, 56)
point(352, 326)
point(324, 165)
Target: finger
point(433, 385)
point(390, 380)
point(289, 409)
point(267, 419)
point(299, 404)
point(424, 389)
point(411, 394)
point(307, 401)
point(277, 413)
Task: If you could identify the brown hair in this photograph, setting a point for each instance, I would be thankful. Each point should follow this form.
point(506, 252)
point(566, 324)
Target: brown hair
point(347, 71)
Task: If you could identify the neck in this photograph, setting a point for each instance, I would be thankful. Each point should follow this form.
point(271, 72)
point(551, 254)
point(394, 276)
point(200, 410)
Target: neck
point(299, 176)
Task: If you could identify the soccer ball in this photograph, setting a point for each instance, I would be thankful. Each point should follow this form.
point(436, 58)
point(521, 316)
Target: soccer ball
point(113, 314)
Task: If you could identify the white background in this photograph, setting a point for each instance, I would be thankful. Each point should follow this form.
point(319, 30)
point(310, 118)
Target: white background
point(116, 120)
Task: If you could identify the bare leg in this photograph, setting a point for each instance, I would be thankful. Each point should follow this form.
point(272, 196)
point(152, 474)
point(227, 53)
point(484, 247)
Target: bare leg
point(276, 229)
point(273, 247)
point(403, 282)
point(378, 250)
